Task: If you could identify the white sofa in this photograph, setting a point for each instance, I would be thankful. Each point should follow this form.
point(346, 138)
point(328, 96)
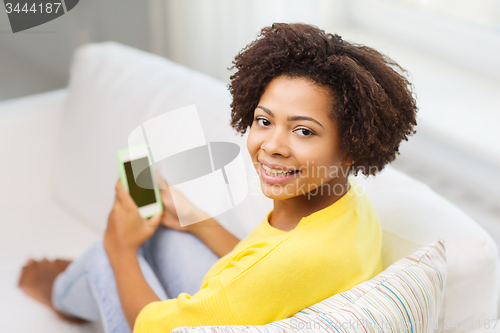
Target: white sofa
point(59, 168)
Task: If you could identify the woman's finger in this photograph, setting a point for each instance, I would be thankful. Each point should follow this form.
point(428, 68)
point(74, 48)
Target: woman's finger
point(166, 197)
point(154, 221)
point(166, 193)
point(171, 222)
point(163, 184)
point(119, 193)
point(123, 196)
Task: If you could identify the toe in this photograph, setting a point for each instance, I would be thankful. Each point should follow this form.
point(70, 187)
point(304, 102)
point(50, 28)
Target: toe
point(22, 281)
point(29, 262)
point(29, 265)
point(62, 261)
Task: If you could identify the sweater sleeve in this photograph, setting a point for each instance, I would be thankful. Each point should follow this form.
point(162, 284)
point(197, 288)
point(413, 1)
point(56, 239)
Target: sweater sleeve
point(211, 305)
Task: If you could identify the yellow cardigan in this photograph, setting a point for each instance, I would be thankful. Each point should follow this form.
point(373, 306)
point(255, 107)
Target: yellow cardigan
point(272, 274)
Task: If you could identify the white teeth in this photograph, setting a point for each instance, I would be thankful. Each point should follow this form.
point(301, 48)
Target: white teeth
point(275, 173)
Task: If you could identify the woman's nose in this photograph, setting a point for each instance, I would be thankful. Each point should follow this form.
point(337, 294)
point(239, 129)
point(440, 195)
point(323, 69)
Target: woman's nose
point(276, 143)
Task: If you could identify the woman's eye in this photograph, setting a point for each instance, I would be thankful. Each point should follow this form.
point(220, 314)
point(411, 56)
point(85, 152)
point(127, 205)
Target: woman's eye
point(306, 131)
point(258, 119)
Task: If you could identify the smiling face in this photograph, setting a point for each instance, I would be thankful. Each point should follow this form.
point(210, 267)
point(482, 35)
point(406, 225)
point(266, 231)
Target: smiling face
point(292, 130)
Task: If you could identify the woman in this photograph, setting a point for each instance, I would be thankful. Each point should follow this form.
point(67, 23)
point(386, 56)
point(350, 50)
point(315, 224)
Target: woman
point(319, 109)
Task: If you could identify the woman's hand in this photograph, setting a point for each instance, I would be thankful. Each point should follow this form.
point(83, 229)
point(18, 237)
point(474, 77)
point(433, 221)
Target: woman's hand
point(183, 209)
point(127, 230)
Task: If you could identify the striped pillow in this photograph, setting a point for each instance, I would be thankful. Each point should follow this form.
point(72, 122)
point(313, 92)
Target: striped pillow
point(406, 296)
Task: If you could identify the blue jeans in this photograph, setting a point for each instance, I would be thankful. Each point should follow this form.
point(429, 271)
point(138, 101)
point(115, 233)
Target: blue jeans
point(171, 261)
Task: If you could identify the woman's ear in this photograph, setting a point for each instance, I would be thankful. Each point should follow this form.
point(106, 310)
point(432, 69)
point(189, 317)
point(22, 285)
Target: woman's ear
point(348, 160)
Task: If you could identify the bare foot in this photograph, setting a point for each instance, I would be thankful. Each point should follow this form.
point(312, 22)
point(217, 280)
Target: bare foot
point(37, 279)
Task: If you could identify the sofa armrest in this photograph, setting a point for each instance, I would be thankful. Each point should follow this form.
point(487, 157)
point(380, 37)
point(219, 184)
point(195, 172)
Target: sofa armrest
point(30, 105)
point(28, 130)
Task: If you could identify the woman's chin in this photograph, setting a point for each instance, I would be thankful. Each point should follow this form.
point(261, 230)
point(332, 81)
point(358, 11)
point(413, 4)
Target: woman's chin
point(277, 192)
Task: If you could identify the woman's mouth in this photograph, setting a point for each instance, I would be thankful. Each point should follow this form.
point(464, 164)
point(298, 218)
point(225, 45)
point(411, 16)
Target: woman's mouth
point(271, 177)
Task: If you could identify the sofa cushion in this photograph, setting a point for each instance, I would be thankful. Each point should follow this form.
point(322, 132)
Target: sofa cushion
point(406, 296)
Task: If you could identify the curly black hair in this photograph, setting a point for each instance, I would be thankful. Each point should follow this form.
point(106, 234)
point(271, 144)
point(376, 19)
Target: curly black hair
point(375, 107)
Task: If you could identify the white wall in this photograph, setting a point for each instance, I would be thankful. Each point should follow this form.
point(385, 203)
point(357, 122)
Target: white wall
point(46, 50)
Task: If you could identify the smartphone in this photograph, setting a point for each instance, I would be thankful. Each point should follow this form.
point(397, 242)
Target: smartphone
point(142, 185)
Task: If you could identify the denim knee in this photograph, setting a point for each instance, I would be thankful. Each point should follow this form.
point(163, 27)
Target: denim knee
point(167, 237)
point(180, 260)
point(97, 264)
point(97, 256)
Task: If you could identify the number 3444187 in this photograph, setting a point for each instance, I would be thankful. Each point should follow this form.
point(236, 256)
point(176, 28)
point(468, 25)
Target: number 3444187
point(47, 7)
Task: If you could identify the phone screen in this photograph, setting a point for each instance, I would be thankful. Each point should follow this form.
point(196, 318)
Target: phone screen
point(142, 196)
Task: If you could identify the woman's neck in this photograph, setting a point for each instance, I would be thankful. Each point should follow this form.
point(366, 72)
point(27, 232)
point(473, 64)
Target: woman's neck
point(288, 213)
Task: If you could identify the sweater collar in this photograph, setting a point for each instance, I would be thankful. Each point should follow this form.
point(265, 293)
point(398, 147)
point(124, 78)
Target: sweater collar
point(326, 214)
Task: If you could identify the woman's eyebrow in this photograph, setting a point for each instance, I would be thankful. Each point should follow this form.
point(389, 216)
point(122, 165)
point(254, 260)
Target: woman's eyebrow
point(292, 118)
